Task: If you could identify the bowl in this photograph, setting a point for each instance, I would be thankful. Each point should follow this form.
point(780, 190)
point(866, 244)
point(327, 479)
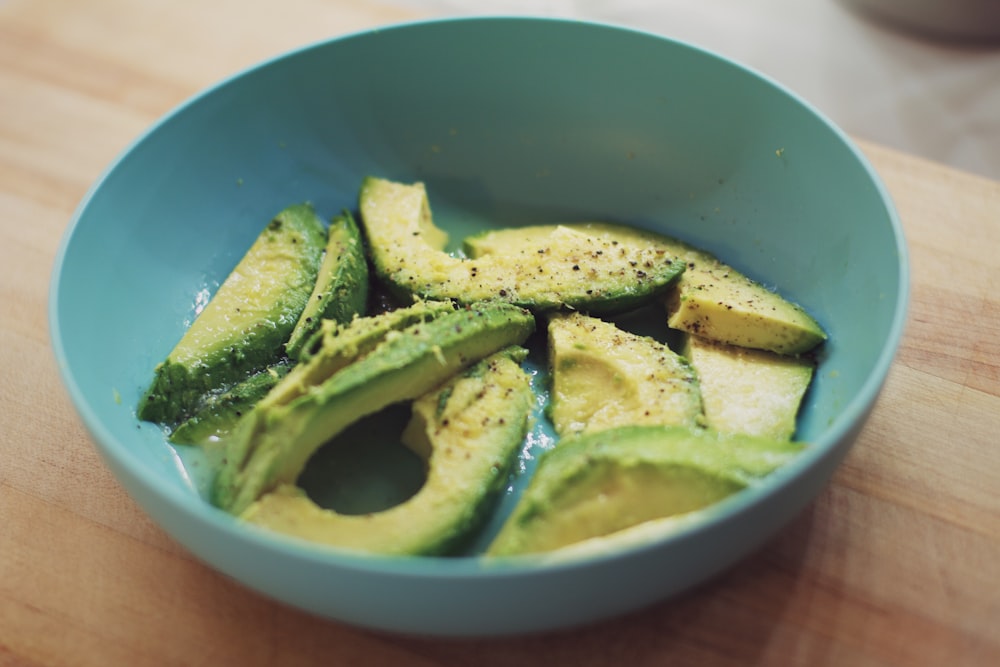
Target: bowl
point(507, 120)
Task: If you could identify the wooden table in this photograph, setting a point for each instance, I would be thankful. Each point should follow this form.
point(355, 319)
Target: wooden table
point(896, 563)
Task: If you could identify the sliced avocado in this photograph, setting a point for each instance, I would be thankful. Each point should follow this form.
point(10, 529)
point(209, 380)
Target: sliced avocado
point(715, 301)
point(243, 328)
point(755, 392)
point(594, 485)
point(567, 268)
point(507, 240)
point(341, 289)
point(270, 446)
point(709, 298)
point(604, 377)
point(218, 413)
point(336, 345)
point(468, 431)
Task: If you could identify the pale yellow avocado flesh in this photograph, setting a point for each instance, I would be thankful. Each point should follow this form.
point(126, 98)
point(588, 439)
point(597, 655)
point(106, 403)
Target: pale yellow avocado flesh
point(717, 302)
point(603, 377)
point(469, 431)
point(755, 392)
point(709, 298)
point(568, 269)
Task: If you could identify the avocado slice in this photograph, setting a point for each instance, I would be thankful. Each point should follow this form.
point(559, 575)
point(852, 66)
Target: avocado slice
point(507, 240)
point(594, 485)
point(337, 345)
point(755, 392)
point(341, 289)
point(219, 412)
point(715, 301)
point(468, 431)
point(710, 298)
point(243, 328)
point(567, 269)
point(271, 445)
point(603, 377)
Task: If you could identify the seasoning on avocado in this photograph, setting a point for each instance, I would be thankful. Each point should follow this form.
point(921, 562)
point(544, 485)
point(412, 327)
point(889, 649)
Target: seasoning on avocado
point(407, 252)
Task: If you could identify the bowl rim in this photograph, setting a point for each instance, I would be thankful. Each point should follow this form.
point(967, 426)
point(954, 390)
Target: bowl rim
point(116, 453)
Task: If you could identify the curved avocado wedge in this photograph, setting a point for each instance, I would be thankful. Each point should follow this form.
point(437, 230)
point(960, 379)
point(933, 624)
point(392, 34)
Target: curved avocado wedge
point(567, 269)
point(595, 485)
point(341, 289)
point(468, 431)
point(244, 326)
point(272, 444)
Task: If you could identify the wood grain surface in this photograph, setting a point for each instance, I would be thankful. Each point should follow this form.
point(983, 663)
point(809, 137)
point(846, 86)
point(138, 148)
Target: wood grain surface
point(896, 563)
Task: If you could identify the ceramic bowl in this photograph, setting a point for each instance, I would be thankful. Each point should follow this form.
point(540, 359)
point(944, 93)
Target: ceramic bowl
point(507, 120)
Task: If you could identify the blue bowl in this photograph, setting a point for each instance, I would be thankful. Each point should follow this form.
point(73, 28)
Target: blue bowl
point(507, 120)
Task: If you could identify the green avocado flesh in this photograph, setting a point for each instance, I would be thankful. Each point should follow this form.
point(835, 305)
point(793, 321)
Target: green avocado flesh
point(243, 328)
point(272, 444)
point(566, 269)
point(594, 485)
point(468, 431)
point(341, 289)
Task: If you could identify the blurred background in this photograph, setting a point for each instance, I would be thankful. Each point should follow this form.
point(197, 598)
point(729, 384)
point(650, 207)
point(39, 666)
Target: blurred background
point(933, 91)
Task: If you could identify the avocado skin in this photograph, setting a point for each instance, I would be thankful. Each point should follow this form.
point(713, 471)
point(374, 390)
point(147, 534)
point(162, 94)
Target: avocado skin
point(646, 460)
point(341, 290)
point(222, 358)
point(272, 444)
point(469, 431)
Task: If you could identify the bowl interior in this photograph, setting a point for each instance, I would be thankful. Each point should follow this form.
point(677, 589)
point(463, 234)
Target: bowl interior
point(508, 121)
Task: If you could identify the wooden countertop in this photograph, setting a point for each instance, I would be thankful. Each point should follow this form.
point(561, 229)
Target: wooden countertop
point(896, 563)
